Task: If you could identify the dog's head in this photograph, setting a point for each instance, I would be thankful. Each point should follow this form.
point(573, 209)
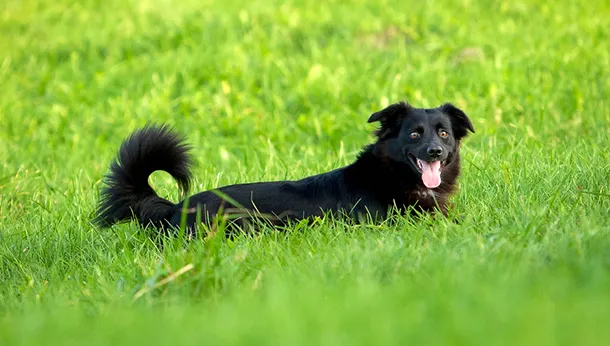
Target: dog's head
point(425, 140)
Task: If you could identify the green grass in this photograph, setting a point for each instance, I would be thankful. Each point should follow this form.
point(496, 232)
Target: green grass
point(281, 90)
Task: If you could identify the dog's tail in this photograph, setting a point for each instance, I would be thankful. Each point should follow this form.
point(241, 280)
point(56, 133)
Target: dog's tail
point(127, 193)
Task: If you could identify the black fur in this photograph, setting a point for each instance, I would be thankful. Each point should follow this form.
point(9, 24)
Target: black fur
point(384, 175)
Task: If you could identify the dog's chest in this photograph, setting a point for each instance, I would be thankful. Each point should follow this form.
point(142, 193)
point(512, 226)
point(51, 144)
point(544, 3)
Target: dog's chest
point(425, 198)
point(423, 194)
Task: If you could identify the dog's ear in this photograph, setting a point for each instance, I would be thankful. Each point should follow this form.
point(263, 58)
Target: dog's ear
point(459, 120)
point(389, 118)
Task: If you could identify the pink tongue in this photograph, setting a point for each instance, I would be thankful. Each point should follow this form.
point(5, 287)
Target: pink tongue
point(431, 173)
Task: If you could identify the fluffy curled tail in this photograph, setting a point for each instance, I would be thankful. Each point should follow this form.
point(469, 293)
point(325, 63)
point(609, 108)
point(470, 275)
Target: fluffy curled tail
point(127, 193)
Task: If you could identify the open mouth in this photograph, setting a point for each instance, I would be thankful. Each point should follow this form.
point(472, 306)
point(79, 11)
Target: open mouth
point(430, 171)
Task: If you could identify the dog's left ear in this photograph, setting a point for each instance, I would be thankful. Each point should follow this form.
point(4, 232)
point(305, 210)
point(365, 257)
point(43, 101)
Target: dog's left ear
point(459, 120)
point(389, 117)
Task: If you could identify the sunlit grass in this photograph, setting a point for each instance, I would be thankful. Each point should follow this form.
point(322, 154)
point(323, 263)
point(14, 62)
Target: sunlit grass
point(272, 90)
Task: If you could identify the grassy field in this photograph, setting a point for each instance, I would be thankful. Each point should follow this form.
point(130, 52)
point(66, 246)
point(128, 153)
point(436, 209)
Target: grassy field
point(270, 90)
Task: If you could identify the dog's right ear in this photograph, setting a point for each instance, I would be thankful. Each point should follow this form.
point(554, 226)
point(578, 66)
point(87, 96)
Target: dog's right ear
point(459, 120)
point(389, 117)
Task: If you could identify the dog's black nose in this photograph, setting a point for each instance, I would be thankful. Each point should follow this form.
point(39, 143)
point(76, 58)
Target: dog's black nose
point(435, 151)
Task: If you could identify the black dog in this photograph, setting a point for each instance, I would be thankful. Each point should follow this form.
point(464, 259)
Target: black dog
point(414, 163)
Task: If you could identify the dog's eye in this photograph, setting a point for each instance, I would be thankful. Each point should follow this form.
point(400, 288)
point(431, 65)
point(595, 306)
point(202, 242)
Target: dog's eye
point(415, 135)
point(443, 134)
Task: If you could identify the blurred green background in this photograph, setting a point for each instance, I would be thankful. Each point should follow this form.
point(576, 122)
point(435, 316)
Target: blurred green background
point(269, 90)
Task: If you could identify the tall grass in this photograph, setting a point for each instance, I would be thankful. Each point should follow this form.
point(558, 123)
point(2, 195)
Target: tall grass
point(271, 90)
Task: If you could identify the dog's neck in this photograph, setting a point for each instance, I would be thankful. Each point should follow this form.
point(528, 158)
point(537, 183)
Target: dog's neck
point(391, 179)
point(381, 174)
